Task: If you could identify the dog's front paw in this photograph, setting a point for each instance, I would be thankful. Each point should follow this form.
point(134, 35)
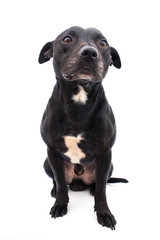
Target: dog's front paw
point(106, 219)
point(58, 210)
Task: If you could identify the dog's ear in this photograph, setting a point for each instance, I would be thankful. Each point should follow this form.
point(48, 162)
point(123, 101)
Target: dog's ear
point(46, 52)
point(116, 61)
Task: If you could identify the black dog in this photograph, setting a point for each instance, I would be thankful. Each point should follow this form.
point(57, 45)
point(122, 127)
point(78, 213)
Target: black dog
point(78, 125)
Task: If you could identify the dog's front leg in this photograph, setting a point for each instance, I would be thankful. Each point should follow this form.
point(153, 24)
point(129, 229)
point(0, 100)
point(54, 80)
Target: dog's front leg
point(57, 165)
point(104, 216)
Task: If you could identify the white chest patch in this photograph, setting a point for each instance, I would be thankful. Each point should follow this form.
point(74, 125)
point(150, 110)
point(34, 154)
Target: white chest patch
point(74, 152)
point(81, 96)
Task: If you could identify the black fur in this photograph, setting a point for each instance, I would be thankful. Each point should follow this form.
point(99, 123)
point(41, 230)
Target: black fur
point(81, 58)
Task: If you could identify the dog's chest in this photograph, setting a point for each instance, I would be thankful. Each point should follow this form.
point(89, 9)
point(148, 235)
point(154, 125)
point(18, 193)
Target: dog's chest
point(81, 96)
point(74, 152)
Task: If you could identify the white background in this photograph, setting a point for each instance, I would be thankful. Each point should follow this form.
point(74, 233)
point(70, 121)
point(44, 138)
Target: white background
point(132, 27)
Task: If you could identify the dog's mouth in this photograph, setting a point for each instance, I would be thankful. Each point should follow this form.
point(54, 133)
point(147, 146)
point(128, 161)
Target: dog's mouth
point(83, 74)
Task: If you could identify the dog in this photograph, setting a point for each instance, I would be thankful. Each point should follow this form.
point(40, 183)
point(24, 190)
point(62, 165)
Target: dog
point(78, 125)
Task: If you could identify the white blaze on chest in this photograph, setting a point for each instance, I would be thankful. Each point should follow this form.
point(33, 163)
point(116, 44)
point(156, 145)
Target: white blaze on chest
point(81, 96)
point(74, 152)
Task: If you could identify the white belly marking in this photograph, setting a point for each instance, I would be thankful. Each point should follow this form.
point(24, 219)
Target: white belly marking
point(81, 96)
point(74, 152)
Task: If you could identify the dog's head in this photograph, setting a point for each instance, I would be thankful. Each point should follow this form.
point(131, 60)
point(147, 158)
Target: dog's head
point(80, 54)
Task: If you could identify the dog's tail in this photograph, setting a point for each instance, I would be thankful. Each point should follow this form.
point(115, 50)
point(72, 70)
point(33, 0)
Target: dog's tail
point(117, 180)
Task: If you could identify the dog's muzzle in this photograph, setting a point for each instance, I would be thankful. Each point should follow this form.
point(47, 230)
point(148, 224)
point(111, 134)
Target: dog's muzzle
point(83, 74)
point(85, 67)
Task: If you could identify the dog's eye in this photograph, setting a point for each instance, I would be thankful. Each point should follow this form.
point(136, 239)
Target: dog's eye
point(67, 39)
point(103, 43)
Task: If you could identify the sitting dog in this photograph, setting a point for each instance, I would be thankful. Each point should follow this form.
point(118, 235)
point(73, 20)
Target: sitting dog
point(78, 125)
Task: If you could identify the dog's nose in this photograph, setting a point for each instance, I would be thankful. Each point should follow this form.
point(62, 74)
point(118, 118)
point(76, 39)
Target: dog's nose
point(88, 51)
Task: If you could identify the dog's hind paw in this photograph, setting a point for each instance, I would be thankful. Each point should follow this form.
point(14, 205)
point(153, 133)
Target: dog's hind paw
point(58, 210)
point(106, 219)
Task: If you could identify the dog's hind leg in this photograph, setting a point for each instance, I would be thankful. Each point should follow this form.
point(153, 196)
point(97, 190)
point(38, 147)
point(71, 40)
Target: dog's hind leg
point(92, 189)
point(49, 172)
point(77, 185)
